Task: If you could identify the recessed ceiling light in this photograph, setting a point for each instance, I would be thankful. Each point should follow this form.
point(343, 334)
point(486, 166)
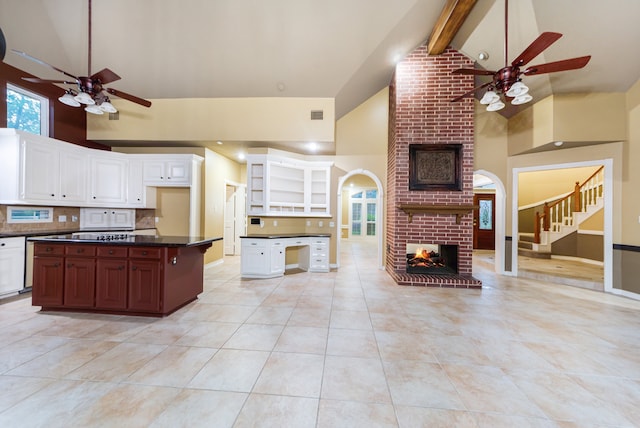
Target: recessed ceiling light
point(241, 156)
point(483, 56)
point(558, 143)
point(313, 146)
point(219, 143)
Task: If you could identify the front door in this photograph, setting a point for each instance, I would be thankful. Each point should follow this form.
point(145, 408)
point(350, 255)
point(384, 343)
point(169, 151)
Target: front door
point(484, 223)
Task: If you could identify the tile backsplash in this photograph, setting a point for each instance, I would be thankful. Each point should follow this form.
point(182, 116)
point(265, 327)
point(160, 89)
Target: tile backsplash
point(144, 220)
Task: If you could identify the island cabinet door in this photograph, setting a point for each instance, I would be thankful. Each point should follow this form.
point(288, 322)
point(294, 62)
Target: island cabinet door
point(79, 282)
point(144, 285)
point(111, 284)
point(48, 280)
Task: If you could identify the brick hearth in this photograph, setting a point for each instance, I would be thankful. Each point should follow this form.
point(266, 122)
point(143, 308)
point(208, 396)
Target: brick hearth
point(421, 113)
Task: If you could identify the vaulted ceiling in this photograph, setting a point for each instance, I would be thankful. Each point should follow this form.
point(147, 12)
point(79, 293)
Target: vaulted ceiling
point(342, 49)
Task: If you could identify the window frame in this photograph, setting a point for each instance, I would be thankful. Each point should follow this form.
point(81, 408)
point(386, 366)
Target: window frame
point(44, 105)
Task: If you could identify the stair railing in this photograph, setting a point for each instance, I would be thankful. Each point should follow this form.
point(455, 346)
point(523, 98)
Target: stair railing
point(560, 212)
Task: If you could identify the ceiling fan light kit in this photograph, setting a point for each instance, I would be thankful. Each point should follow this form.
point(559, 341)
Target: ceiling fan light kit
point(495, 106)
point(84, 98)
point(69, 99)
point(521, 99)
point(93, 109)
point(489, 97)
point(507, 81)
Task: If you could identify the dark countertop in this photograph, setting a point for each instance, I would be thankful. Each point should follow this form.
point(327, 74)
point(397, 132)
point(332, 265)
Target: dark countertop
point(287, 235)
point(58, 232)
point(136, 240)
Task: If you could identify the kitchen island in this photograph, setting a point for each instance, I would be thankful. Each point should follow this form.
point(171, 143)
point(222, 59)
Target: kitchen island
point(121, 274)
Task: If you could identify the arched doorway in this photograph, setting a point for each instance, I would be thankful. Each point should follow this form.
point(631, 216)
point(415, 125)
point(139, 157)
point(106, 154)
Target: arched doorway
point(500, 218)
point(369, 217)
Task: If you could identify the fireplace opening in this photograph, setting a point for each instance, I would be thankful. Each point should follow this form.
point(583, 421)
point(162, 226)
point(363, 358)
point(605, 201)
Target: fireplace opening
point(432, 259)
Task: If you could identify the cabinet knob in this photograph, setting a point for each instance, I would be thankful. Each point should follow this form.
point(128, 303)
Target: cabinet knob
point(56, 264)
point(110, 251)
point(262, 254)
point(134, 268)
point(3, 244)
point(48, 249)
point(53, 194)
point(69, 265)
point(120, 267)
point(80, 250)
point(168, 178)
point(144, 253)
point(94, 197)
point(64, 196)
point(161, 177)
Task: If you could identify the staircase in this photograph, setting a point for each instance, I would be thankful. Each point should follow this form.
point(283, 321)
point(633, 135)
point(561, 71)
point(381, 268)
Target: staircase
point(563, 216)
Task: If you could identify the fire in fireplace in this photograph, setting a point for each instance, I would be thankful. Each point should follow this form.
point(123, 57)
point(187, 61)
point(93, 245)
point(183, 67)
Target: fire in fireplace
point(432, 259)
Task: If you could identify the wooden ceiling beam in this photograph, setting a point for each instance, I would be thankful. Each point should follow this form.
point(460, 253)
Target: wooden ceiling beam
point(451, 19)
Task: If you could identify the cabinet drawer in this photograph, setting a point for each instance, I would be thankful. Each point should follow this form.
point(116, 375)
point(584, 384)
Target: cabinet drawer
point(80, 250)
point(145, 253)
point(112, 252)
point(48, 250)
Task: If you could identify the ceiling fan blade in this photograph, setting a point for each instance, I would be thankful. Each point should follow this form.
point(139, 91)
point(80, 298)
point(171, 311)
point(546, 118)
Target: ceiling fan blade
point(105, 76)
point(128, 97)
point(37, 80)
point(29, 57)
point(551, 67)
point(473, 71)
point(466, 94)
point(543, 41)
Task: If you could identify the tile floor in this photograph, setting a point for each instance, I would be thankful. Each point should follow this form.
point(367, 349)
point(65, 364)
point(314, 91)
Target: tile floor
point(344, 349)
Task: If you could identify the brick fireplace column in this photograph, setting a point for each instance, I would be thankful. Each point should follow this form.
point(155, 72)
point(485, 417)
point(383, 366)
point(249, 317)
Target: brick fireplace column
point(420, 112)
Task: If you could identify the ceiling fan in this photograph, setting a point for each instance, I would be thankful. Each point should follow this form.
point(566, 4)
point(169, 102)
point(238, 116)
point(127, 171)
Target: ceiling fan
point(90, 90)
point(508, 80)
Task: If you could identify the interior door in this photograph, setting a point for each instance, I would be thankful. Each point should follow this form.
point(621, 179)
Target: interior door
point(229, 221)
point(484, 222)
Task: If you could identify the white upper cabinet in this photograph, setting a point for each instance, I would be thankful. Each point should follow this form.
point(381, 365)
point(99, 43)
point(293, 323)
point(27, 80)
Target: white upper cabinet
point(287, 187)
point(107, 218)
point(109, 176)
point(36, 170)
point(168, 170)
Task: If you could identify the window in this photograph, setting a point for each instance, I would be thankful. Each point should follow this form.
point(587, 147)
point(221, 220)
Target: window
point(363, 212)
point(27, 110)
point(29, 215)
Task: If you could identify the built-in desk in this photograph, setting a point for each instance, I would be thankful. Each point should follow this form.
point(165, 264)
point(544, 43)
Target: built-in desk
point(263, 256)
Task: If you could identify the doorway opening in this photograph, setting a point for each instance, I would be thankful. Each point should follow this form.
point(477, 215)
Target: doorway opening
point(561, 225)
point(489, 224)
point(360, 212)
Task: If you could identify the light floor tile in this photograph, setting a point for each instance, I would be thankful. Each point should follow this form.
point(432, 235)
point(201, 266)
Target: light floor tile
point(349, 348)
point(231, 370)
point(350, 414)
point(175, 366)
point(200, 408)
point(276, 411)
point(291, 374)
point(354, 379)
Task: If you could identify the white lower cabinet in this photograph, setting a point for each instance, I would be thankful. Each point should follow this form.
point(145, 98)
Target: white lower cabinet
point(319, 257)
point(12, 258)
point(265, 257)
point(277, 260)
point(254, 258)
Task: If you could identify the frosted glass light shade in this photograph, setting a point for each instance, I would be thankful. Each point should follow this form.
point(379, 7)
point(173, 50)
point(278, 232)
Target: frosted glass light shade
point(489, 97)
point(517, 89)
point(521, 99)
point(107, 107)
point(93, 109)
point(84, 98)
point(495, 106)
point(68, 99)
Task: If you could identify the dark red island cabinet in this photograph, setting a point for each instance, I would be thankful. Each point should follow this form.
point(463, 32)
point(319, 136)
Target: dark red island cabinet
point(116, 278)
